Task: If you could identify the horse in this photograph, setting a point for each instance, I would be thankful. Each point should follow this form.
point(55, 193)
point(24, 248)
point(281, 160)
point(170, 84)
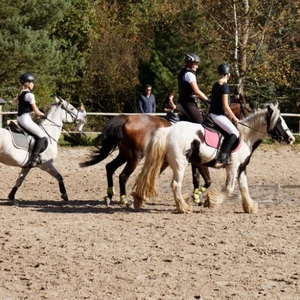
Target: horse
point(131, 135)
point(186, 142)
point(240, 107)
point(241, 110)
point(16, 144)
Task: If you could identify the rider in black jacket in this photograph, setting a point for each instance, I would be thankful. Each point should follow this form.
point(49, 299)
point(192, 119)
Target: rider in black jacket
point(188, 89)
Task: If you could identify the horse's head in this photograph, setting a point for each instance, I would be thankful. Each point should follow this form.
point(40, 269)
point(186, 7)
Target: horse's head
point(240, 107)
point(277, 127)
point(70, 113)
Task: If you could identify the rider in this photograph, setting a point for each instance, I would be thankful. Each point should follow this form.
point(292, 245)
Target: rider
point(189, 90)
point(26, 104)
point(220, 105)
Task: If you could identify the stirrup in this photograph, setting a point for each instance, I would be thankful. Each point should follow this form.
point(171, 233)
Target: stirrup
point(34, 163)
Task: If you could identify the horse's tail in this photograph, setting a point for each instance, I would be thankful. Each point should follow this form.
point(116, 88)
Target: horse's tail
point(155, 157)
point(111, 136)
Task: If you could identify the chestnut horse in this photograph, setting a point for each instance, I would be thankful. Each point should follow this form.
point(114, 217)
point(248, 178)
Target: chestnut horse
point(131, 134)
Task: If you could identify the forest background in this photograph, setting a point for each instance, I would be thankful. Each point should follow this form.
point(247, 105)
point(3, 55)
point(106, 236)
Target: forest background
point(103, 52)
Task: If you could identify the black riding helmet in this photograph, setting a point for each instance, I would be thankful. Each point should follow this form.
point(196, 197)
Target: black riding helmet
point(223, 69)
point(191, 58)
point(26, 78)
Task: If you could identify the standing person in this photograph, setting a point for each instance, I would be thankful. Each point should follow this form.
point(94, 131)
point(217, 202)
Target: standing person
point(26, 104)
point(188, 89)
point(170, 103)
point(220, 105)
point(146, 101)
point(81, 117)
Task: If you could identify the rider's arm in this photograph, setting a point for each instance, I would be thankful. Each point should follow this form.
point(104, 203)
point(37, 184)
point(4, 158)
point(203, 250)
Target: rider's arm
point(197, 91)
point(36, 110)
point(228, 110)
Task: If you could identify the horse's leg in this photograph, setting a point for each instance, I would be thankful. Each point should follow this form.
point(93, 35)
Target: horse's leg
point(215, 197)
point(110, 170)
point(50, 169)
point(19, 181)
point(249, 205)
point(178, 175)
point(199, 192)
point(123, 178)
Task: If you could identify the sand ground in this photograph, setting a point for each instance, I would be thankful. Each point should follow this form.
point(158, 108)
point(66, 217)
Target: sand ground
point(84, 250)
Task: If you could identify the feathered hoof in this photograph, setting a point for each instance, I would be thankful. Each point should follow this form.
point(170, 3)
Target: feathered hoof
point(186, 197)
point(250, 209)
point(185, 209)
point(137, 201)
point(214, 199)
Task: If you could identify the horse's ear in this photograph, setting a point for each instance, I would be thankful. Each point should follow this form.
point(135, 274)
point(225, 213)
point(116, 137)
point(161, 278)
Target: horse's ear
point(270, 110)
point(58, 99)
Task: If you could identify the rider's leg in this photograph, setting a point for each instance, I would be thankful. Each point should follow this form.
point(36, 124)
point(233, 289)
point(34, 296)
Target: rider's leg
point(226, 148)
point(38, 147)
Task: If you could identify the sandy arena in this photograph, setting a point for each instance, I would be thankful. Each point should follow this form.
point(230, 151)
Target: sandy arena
point(83, 250)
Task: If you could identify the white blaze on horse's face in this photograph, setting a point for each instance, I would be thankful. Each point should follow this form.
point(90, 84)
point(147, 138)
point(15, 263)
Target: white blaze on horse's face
point(291, 139)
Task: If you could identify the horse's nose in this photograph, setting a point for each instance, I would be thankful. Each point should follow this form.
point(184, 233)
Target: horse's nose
point(291, 139)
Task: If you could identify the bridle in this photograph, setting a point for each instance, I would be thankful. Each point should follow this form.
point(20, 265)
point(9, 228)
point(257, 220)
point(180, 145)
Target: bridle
point(68, 111)
point(276, 133)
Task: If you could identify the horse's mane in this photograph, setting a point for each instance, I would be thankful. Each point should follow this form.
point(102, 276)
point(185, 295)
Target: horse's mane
point(258, 120)
point(47, 111)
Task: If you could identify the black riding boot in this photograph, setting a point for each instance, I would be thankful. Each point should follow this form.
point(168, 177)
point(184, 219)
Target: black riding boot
point(223, 157)
point(37, 149)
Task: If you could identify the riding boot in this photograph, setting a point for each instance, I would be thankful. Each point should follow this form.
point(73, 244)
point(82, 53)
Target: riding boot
point(223, 156)
point(37, 149)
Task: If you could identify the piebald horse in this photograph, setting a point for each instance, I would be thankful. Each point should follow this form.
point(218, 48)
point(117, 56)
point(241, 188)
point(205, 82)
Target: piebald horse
point(185, 142)
point(18, 155)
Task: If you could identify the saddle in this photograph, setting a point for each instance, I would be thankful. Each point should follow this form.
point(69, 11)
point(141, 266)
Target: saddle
point(214, 135)
point(172, 117)
point(21, 138)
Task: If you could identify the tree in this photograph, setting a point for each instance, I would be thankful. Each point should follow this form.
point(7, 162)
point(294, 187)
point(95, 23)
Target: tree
point(26, 46)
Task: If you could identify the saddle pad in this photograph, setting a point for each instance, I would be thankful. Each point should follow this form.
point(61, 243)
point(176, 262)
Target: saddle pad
point(19, 140)
point(212, 139)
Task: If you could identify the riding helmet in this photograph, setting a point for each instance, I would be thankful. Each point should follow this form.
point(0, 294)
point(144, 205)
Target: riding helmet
point(192, 57)
point(223, 69)
point(26, 77)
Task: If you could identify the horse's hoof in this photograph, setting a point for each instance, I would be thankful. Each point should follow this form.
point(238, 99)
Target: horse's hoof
point(251, 210)
point(65, 197)
point(12, 193)
point(200, 195)
point(107, 200)
point(137, 201)
point(124, 202)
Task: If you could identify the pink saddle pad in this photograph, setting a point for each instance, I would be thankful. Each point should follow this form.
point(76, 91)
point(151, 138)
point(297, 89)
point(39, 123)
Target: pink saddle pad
point(212, 139)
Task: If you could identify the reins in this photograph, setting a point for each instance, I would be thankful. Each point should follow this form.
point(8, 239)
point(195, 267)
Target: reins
point(246, 125)
point(67, 112)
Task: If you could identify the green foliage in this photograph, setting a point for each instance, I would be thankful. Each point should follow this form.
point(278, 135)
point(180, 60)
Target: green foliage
point(102, 53)
point(27, 45)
